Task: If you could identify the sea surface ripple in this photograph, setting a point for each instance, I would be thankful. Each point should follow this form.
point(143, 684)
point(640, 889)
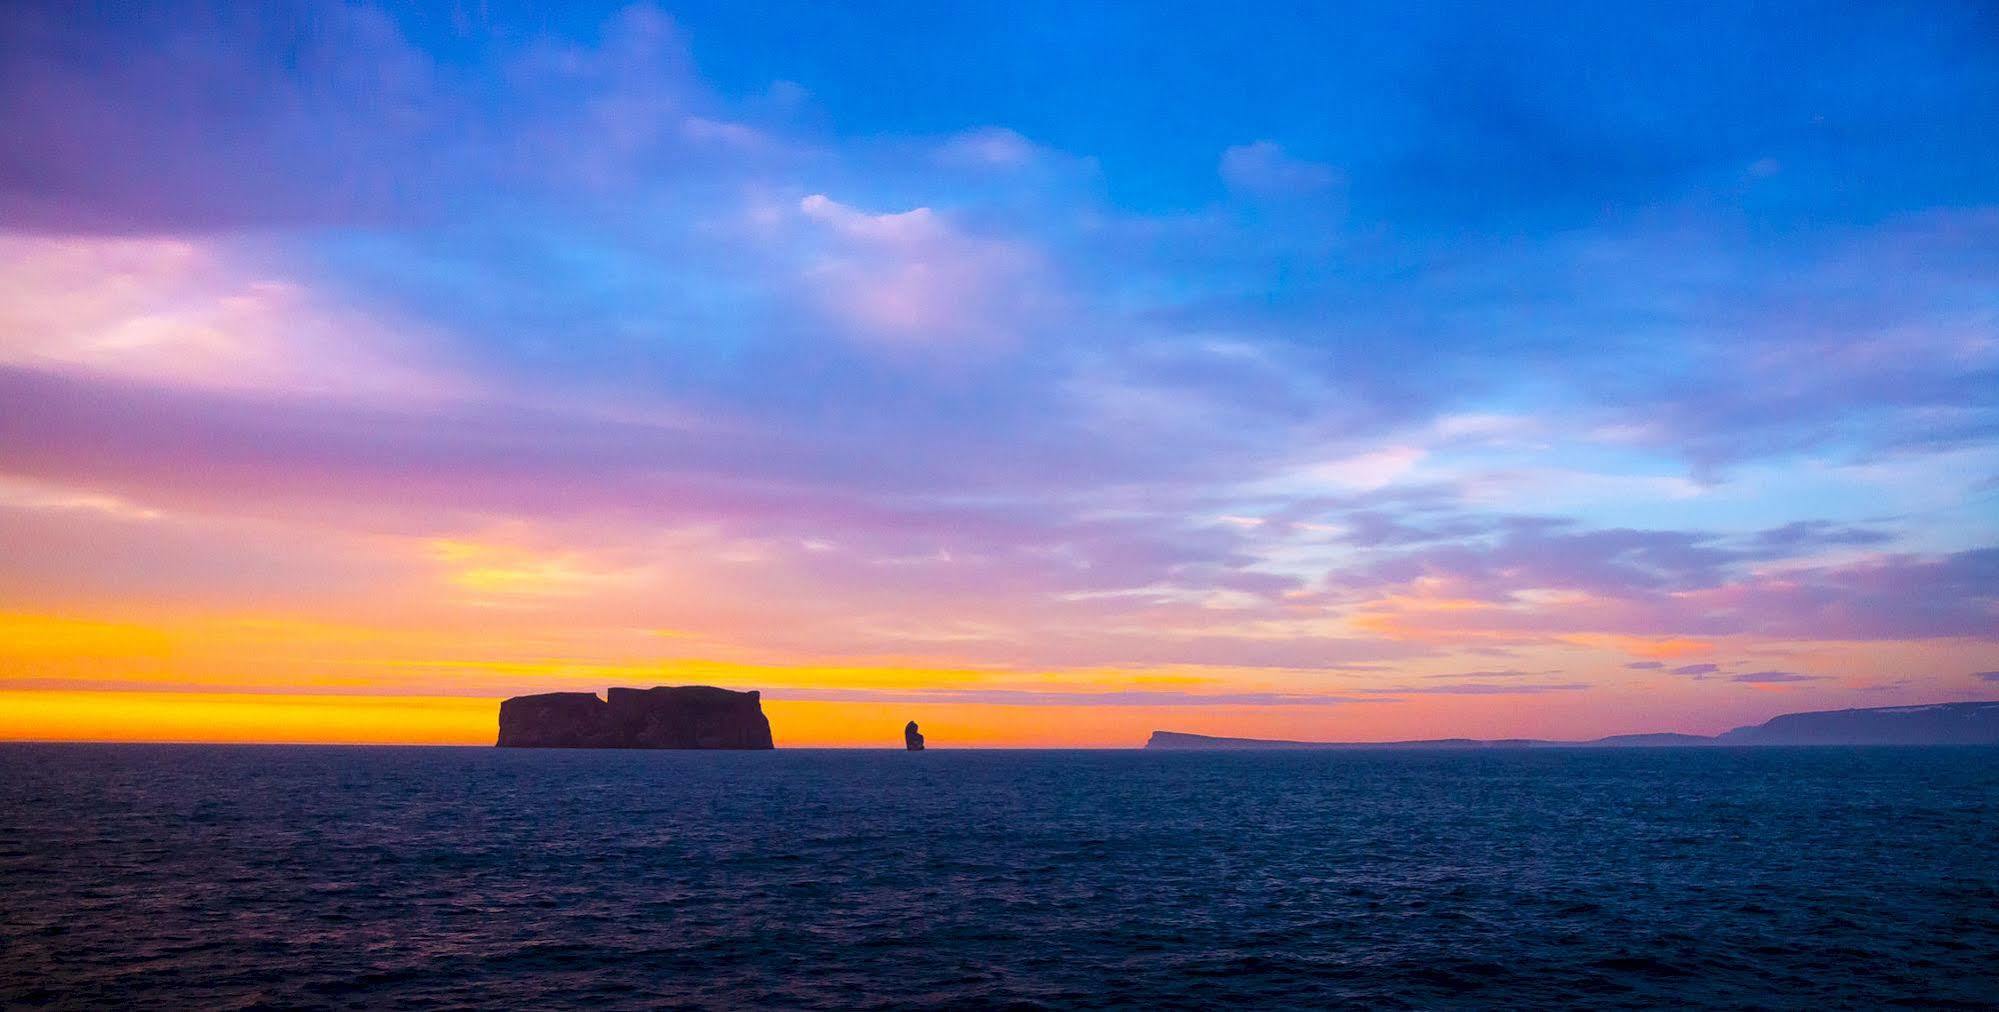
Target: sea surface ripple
point(238, 877)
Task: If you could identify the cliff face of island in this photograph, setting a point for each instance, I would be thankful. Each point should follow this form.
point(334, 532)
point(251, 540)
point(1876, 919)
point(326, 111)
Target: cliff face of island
point(1935, 724)
point(687, 716)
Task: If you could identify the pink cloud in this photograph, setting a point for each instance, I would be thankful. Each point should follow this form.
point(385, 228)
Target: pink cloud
point(177, 313)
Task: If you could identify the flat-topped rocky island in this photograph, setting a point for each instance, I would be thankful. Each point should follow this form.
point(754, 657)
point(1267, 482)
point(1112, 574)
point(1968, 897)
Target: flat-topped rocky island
point(665, 717)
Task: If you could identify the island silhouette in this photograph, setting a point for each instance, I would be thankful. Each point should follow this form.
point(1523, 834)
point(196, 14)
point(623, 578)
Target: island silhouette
point(662, 717)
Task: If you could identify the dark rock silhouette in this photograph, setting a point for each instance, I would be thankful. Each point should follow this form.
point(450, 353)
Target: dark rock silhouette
point(912, 738)
point(688, 716)
point(1935, 724)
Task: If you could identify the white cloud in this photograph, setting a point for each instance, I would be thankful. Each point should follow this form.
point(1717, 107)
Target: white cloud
point(1361, 472)
point(908, 278)
point(915, 225)
point(991, 147)
point(1265, 167)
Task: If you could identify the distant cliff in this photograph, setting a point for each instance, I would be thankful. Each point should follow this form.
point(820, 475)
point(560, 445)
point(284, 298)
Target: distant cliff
point(1936, 724)
point(688, 716)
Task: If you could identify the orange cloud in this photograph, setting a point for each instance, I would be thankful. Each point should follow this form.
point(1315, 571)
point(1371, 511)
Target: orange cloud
point(1428, 619)
point(1660, 648)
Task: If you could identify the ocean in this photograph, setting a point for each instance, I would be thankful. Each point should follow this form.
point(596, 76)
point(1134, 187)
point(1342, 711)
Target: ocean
point(275, 876)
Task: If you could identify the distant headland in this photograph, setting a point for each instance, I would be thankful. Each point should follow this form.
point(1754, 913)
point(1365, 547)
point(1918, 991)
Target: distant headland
point(679, 717)
point(1934, 724)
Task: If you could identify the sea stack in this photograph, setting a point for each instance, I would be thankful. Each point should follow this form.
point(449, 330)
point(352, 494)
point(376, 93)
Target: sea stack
point(682, 717)
point(912, 738)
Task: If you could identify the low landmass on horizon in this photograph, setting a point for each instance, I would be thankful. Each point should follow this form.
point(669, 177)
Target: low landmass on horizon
point(1968, 723)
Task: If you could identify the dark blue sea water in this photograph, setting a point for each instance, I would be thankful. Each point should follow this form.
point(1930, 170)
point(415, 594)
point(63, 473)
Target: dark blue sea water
point(217, 877)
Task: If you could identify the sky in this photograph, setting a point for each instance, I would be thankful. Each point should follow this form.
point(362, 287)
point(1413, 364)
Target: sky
point(1047, 373)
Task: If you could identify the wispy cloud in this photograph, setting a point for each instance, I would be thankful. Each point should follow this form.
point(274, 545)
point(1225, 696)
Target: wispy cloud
point(1485, 689)
point(1774, 677)
point(1265, 167)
